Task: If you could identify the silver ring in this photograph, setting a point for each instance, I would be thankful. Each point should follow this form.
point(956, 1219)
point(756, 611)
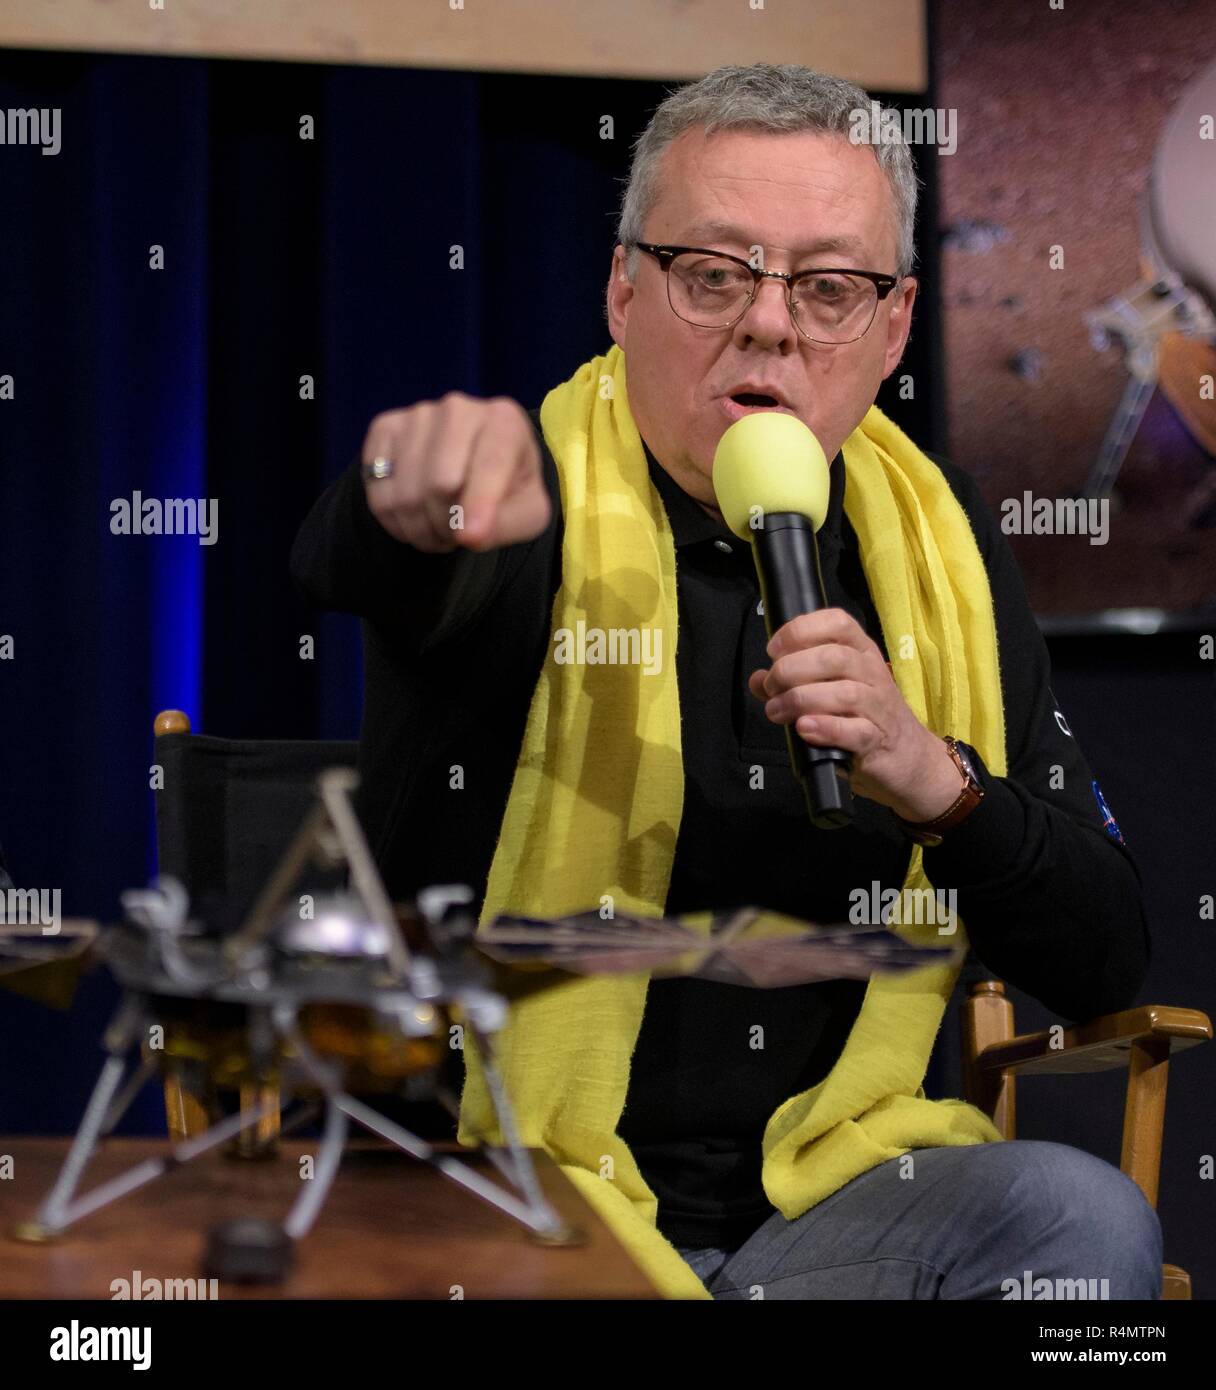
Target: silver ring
point(379, 467)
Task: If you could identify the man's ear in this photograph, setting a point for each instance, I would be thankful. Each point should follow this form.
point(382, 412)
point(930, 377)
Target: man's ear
point(620, 293)
point(899, 323)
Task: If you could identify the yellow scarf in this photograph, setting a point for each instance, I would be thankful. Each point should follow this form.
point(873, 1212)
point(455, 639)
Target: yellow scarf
point(598, 792)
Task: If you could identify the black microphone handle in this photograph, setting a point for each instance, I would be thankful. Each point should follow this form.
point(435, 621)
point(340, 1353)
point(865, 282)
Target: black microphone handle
point(791, 582)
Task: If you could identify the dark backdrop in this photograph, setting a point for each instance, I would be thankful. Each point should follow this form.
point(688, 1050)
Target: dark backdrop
point(328, 258)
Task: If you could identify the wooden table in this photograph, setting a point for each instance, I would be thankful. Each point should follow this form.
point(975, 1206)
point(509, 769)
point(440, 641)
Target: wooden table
point(390, 1228)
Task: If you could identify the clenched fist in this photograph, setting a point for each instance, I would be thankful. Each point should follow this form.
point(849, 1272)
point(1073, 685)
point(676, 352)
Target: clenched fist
point(464, 472)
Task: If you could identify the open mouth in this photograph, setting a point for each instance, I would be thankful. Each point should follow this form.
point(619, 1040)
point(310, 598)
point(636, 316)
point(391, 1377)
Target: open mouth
point(741, 403)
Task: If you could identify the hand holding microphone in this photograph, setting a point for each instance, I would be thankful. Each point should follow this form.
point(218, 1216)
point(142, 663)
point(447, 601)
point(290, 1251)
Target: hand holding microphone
point(848, 727)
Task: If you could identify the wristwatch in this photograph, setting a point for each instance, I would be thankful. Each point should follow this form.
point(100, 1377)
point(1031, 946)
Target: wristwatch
point(929, 832)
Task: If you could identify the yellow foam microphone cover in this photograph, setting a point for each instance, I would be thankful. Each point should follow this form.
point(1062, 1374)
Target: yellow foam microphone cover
point(770, 462)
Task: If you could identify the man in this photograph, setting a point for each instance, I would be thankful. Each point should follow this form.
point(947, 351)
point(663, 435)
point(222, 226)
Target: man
point(777, 1139)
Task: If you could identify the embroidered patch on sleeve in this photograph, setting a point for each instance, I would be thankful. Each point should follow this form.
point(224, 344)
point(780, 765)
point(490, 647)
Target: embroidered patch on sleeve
point(1108, 820)
point(1055, 709)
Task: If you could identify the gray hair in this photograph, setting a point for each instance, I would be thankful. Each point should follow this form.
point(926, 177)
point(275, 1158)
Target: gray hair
point(775, 97)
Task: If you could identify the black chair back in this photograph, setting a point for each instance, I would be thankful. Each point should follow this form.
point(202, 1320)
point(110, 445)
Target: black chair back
point(228, 810)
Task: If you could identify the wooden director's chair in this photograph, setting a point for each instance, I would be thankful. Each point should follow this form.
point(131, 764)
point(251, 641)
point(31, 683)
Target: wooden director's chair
point(1139, 1039)
point(993, 1056)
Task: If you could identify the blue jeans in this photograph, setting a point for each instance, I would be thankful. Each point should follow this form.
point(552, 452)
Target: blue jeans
point(971, 1222)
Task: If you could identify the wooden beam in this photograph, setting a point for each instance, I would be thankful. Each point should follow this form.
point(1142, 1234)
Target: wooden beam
point(880, 44)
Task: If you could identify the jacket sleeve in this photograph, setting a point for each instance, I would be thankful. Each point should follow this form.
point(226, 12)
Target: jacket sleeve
point(1048, 890)
point(344, 560)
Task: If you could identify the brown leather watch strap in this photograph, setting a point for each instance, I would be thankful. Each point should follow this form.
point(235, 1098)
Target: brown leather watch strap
point(929, 832)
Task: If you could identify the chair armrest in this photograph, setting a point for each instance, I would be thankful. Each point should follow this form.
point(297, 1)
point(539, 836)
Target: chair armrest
point(1098, 1045)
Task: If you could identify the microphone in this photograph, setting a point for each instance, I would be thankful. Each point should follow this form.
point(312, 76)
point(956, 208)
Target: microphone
point(771, 480)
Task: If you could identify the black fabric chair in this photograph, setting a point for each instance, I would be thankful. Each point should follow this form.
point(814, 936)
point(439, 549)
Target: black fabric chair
point(229, 808)
point(226, 811)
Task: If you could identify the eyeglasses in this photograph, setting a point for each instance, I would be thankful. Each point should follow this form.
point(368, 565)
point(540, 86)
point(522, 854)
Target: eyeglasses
point(710, 289)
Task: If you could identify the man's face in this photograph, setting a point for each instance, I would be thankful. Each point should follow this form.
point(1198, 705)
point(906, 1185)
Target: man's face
point(807, 200)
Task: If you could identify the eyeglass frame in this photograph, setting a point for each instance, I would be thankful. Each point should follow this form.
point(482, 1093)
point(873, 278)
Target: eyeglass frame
point(665, 255)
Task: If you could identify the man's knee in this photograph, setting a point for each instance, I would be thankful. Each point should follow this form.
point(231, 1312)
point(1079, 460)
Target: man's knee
point(1092, 1219)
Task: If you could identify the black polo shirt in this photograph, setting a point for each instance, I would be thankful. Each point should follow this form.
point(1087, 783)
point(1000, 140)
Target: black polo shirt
point(453, 647)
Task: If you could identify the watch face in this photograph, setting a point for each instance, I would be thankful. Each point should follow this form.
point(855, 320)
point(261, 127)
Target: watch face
point(964, 754)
